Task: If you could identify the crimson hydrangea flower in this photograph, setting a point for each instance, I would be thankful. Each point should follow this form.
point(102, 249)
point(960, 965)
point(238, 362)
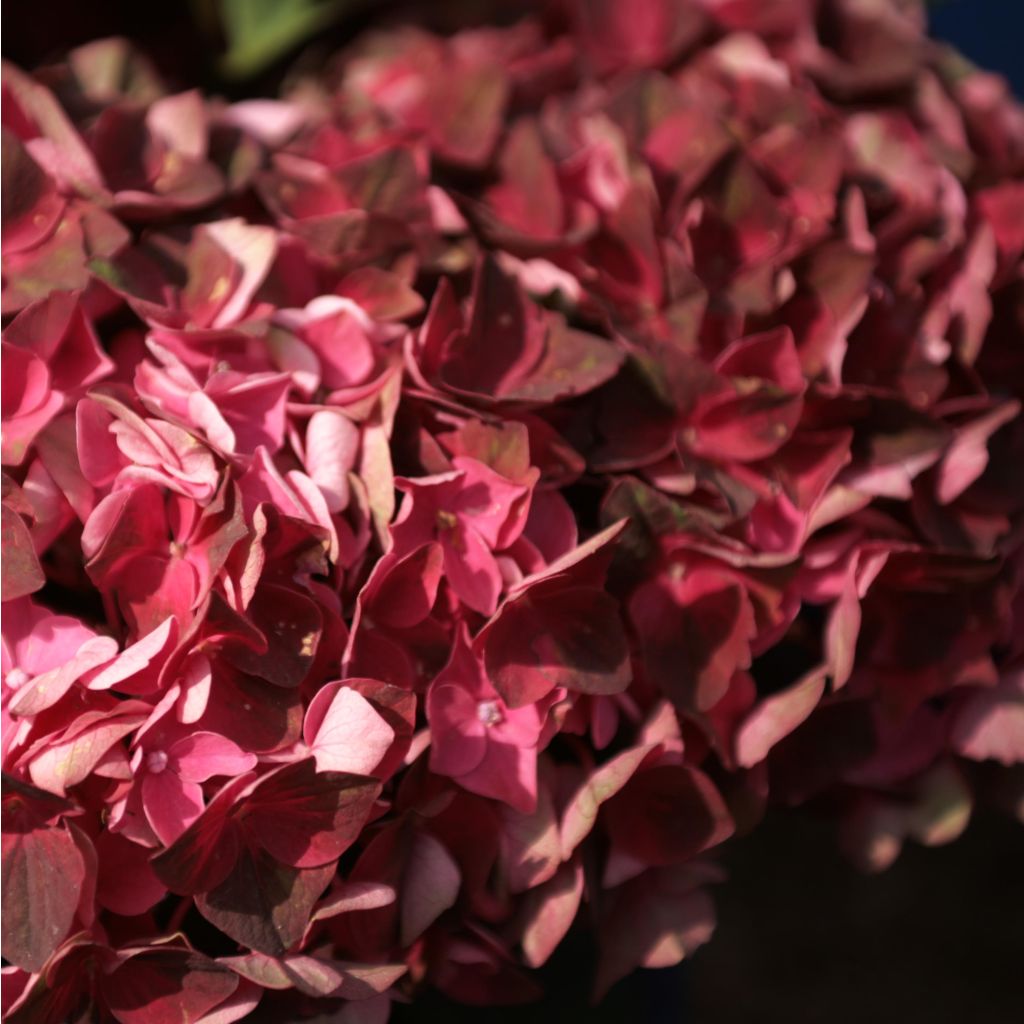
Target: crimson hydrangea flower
point(168, 773)
point(445, 503)
point(488, 747)
point(471, 512)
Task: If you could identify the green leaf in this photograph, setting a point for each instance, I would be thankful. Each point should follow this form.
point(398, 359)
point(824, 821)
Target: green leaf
point(258, 32)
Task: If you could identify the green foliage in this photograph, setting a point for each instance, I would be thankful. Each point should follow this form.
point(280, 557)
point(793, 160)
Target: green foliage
point(258, 32)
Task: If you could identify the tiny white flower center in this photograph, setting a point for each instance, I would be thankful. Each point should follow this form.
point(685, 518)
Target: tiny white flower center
point(489, 712)
point(16, 677)
point(156, 761)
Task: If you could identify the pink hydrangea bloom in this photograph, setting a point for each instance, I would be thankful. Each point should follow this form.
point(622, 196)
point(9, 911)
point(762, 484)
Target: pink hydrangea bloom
point(477, 739)
point(444, 504)
point(471, 511)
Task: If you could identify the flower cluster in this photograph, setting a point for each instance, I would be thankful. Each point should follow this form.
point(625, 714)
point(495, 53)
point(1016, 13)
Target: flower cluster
point(475, 485)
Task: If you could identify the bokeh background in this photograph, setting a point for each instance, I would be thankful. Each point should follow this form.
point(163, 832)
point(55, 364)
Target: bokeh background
point(182, 37)
point(802, 937)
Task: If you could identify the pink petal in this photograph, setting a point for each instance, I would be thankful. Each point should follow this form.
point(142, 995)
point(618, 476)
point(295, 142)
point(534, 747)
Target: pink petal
point(170, 804)
point(133, 661)
point(508, 773)
point(471, 569)
point(402, 591)
point(351, 736)
point(196, 680)
point(343, 346)
point(253, 247)
point(550, 911)
point(40, 640)
point(126, 883)
point(203, 755)
point(458, 744)
point(332, 442)
point(496, 507)
point(47, 689)
point(519, 726)
point(776, 717)
point(990, 725)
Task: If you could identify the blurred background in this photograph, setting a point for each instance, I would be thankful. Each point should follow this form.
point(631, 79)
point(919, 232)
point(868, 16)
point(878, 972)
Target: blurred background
point(802, 937)
point(239, 46)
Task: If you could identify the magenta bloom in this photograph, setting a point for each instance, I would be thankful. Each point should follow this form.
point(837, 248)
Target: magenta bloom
point(234, 412)
point(444, 504)
point(169, 773)
point(51, 355)
point(475, 738)
point(338, 346)
point(471, 511)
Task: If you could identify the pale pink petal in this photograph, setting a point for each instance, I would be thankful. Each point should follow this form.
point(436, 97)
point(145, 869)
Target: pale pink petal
point(582, 809)
point(47, 689)
point(180, 122)
point(531, 845)
point(134, 660)
point(254, 248)
point(355, 896)
point(196, 680)
point(777, 716)
point(70, 761)
point(966, 458)
point(273, 122)
point(332, 443)
point(990, 725)
point(550, 911)
point(204, 414)
point(351, 736)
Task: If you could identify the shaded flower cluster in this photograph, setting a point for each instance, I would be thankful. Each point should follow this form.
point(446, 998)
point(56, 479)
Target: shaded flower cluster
point(444, 504)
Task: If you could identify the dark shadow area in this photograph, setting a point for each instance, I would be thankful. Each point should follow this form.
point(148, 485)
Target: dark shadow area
point(183, 39)
point(646, 997)
point(803, 938)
